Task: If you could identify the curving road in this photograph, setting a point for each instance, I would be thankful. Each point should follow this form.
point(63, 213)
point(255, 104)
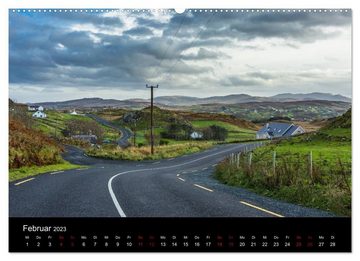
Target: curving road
point(126, 134)
point(176, 187)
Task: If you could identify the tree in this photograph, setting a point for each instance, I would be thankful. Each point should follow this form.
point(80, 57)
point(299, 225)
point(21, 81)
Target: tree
point(177, 131)
point(215, 132)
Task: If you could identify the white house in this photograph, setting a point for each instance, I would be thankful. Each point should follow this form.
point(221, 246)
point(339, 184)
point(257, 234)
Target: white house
point(278, 130)
point(39, 114)
point(74, 112)
point(196, 135)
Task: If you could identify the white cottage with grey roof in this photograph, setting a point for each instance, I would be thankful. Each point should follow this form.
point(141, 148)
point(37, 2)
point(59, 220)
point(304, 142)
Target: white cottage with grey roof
point(279, 129)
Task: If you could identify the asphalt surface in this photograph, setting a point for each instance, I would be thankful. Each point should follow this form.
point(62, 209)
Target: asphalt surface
point(177, 187)
point(126, 134)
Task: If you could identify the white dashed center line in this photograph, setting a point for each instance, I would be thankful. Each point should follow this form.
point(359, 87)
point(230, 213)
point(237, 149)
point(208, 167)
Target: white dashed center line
point(261, 209)
point(210, 190)
point(21, 182)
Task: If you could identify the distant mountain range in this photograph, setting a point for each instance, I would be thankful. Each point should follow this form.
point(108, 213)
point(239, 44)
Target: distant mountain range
point(189, 101)
point(245, 98)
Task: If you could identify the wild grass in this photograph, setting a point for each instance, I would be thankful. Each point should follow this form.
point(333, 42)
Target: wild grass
point(24, 172)
point(144, 153)
point(28, 147)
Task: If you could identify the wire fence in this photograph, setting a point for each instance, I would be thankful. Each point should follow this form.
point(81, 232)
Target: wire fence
point(289, 168)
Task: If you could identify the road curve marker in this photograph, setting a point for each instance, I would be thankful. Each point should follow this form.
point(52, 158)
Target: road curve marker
point(112, 194)
point(210, 190)
point(21, 182)
point(261, 209)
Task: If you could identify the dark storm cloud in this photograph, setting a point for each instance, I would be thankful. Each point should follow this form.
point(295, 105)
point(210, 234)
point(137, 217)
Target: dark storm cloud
point(260, 75)
point(46, 49)
point(85, 17)
point(139, 31)
point(298, 26)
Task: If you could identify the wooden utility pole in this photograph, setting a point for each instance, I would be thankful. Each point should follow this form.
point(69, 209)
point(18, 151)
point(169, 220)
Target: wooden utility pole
point(152, 116)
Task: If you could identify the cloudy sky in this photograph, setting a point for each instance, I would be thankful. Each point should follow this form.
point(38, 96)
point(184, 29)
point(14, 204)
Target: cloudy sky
point(55, 56)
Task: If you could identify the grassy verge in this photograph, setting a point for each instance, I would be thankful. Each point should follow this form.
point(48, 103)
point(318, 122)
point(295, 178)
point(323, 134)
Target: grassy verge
point(144, 153)
point(24, 172)
point(326, 184)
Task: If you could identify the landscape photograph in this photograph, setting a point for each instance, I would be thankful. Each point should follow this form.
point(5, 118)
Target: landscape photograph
point(204, 113)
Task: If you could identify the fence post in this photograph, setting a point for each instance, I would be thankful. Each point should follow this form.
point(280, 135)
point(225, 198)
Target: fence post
point(310, 165)
point(274, 161)
point(238, 160)
point(250, 159)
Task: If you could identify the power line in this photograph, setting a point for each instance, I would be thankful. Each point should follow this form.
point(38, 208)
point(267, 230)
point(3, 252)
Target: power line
point(191, 45)
point(177, 31)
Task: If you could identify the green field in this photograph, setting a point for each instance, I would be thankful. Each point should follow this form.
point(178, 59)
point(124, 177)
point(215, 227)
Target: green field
point(55, 123)
point(235, 133)
point(312, 170)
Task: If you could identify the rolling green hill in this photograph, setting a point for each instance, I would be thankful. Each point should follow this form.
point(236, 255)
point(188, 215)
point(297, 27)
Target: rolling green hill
point(55, 123)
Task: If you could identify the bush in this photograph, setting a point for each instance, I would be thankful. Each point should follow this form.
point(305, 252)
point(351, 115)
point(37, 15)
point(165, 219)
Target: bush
point(164, 142)
point(215, 132)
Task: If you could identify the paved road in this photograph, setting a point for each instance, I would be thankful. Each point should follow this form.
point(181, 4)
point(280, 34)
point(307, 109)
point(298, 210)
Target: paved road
point(177, 187)
point(126, 134)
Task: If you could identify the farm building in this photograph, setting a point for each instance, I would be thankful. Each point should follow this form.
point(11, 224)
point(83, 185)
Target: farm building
point(39, 114)
point(278, 130)
point(89, 138)
point(196, 135)
point(35, 108)
point(73, 112)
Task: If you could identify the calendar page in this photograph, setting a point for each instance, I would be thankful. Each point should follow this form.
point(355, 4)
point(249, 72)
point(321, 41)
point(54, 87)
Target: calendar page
point(220, 130)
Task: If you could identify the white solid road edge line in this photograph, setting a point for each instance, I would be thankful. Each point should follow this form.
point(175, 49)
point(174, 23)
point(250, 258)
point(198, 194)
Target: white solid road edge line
point(112, 194)
point(262, 209)
point(56, 172)
point(21, 182)
point(203, 188)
